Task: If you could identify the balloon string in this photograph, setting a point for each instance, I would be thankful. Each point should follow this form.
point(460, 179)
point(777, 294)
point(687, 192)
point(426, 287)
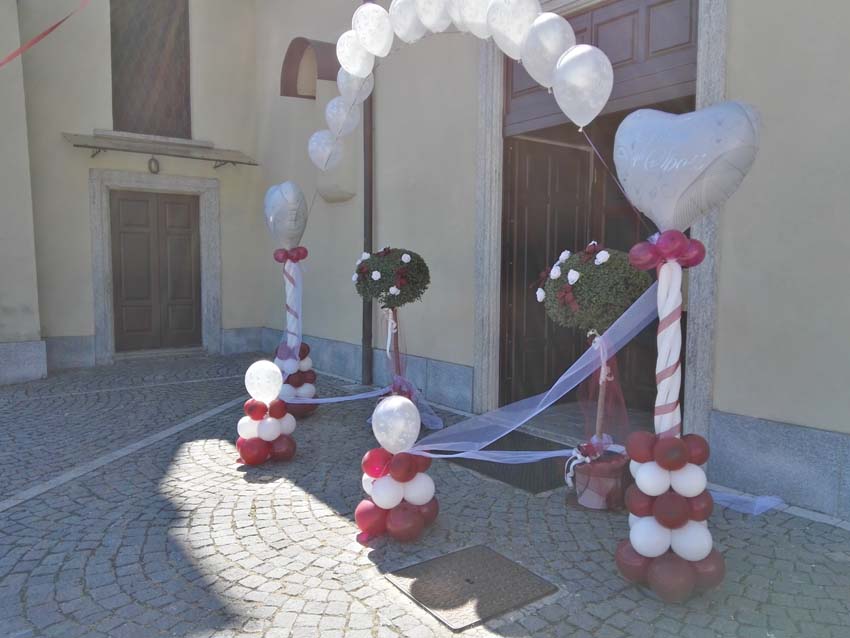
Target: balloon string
point(614, 177)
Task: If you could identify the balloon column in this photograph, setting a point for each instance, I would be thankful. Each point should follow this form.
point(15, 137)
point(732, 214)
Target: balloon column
point(301, 383)
point(402, 499)
point(265, 430)
point(675, 168)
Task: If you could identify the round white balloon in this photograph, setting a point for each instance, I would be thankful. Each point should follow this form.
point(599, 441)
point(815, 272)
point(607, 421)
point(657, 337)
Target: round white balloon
point(396, 423)
point(406, 23)
point(419, 490)
point(306, 391)
point(455, 15)
point(509, 22)
point(689, 481)
point(474, 16)
point(290, 366)
point(547, 40)
point(633, 519)
point(305, 364)
point(371, 23)
point(287, 424)
point(325, 150)
point(285, 210)
point(652, 479)
point(263, 381)
point(367, 481)
point(387, 492)
point(434, 14)
point(583, 81)
point(692, 542)
point(352, 56)
point(269, 429)
point(287, 392)
point(634, 466)
point(342, 116)
point(352, 89)
point(247, 428)
point(649, 537)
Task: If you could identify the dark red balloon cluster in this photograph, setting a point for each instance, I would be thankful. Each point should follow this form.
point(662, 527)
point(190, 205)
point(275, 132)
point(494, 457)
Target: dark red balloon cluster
point(255, 450)
point(405, 522)
point(671, 577)
point(671, 245)
point(298, 379)
point(299, 253)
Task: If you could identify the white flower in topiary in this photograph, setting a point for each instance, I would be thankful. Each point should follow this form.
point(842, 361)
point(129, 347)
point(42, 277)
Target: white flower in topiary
point(573, 276)
point(364, 256)
point(394, 290)
point(405, 258)
point(541, 295)
point(601, 257)
point(564, 256)
point(555, 273)
point(375, 275)
point(354, 277)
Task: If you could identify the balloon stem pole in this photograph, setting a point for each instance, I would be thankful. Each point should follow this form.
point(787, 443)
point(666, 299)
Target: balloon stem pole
point(396, 353)
point(600, 401)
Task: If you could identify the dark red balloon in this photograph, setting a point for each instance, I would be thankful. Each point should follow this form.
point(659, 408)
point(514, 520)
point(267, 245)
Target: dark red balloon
point(698, 451)
point(639, 446)
point(701, 506)
point(376, 462)
point(671, 453)
point(303, 351)
point(239, 442)
point(672, 578)
point(309, 376)
point(672, 243)
point(255, 451)
point(632, 566)
point(403, 467)
point(693, 254)
point(710, 571)
point(405, 523)
point(671, 510)
point(280, 255)
point(296, 379)
point(301, 410)
point(429, 511)
point(644, 256)
point(637, 502)
point(255, 409)
point(277, 409)
point(299, 253)
point(283, 448)
point(370, 518)
point(422, 463)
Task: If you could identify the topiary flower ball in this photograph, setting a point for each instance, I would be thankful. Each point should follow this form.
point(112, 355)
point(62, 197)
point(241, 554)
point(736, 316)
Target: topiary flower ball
point(393, 276)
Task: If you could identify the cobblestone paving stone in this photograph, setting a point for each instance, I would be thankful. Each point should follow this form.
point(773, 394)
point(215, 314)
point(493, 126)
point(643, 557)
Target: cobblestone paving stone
point(178, 540)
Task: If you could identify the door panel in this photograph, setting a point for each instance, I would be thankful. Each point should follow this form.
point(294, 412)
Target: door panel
point(156, 270)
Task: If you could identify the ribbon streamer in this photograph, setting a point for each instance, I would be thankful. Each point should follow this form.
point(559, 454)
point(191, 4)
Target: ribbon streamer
point(31, 43)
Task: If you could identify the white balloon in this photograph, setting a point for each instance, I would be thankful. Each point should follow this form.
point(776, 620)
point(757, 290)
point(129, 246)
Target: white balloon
point(509, 22)
point(285, 210)
point(247, 428)
point(419, 490)
point(371, 23)
point(287, 423)
point(649, 537)
point(306, 391)
point(633, 519)
point(692, 542)
point(305, 364)
point(342, 116)
point(455, 15)
point(352, 89)
point(396, 423)
point(387, 492)
point(406, 23)
point(290, 366)
point(269, 429)
point(634, 466)
point(583, 81)
point(263, 381)
point(325, 150)
point(367, 482)
point(690, 481)
point(352, 56)
point(652, 479)
point(287, 392)
point(474, 16)
point(547, 40)
point(434, 14)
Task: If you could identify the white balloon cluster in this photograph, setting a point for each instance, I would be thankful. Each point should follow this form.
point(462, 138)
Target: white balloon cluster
point(581, 76)
point(264, 430)
point(300, 376)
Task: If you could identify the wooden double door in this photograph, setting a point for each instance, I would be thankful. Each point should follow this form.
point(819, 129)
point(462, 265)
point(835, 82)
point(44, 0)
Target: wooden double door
point(156, 270)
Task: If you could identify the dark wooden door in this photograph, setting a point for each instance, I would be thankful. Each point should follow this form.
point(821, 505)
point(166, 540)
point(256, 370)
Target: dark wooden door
point(155, 270)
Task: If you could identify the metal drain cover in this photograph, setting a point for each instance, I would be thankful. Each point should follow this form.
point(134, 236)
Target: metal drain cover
point(470, 586)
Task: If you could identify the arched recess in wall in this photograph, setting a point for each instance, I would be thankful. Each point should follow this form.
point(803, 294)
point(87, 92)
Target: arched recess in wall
point(305, 63)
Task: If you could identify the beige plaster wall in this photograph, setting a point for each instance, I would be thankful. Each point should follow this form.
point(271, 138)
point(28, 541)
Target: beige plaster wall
point(19, 312)
point(783, 308)
point(68, 87)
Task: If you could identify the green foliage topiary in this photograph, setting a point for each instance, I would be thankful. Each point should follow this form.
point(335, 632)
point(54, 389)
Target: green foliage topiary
point(601, 293)
point(403, 277)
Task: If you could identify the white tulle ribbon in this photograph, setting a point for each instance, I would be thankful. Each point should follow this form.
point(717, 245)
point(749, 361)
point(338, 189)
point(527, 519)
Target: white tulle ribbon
point(668, 371)
point(294, 282)
point(392, 328)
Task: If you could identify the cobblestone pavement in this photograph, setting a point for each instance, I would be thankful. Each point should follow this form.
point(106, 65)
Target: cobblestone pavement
point(178, 540)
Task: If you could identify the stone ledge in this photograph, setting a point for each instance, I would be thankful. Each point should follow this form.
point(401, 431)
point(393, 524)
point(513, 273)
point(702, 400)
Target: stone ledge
point(22, 361)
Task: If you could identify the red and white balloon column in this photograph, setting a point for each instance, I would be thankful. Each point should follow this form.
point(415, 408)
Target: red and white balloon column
point(265, 430)
point(300, 381)
point(402, 501)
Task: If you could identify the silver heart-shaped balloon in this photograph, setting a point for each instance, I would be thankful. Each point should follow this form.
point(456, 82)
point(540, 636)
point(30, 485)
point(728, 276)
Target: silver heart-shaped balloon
point(676, 168)
point(286, 214)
